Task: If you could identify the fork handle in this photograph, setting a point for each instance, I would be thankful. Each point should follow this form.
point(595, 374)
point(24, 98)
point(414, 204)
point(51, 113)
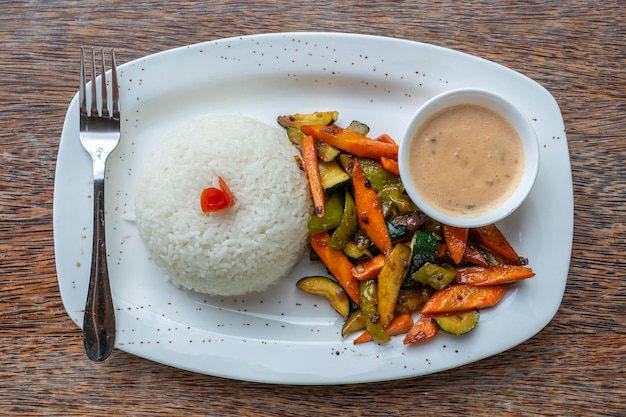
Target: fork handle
point(99, 320)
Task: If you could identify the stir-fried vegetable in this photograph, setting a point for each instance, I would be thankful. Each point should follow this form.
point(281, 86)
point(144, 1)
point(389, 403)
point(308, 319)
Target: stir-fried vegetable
point(389, 258)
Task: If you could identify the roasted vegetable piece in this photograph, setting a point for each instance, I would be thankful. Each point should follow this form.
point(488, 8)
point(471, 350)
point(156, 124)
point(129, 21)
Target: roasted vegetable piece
point(302, 119)
point(386, 138)
point(390, 165)
point(337, 263)
point(333, 213)
point(494, 274)
point(378, 176)
point(293, 123)
point(325, 152)
point(370, 268)
point(352, 250)
point(313, 174)
point(329, 289)
point(332, 176)
point(401, 201)
point(423, 329)
point(491, 238)
point(295, 135)
point(458, 323)
point(353, 323)
point(346, 162)
point(358, 127)
point(399, 325)
point(397, 232)
point(411, 299)
point(423, 248)
point(348, 226)
point(437, 276)
point(473, 256)
point(371, 318)
point(456, 239)
point(369, 212)
point(389, 281)
point(463, 297)
point(352, 142)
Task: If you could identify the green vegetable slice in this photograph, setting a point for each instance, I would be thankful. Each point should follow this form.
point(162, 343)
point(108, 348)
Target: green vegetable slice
point(437, 276)
point(348, 226)
point(458, 323)
point(332, 216)
point(329, 289)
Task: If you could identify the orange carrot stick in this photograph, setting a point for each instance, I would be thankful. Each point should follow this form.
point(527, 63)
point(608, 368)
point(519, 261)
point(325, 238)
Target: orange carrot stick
point(473, 255)
point(492, 275)
point(399, 325)
point(492, 239)
point(370, 268)
point(390, 165)
point(313, 174)
point(369, 210)
point(456, 239)
point(386, 138)
point(337, 263)
point(423, 329)
point(352, 142)
point(463, 297)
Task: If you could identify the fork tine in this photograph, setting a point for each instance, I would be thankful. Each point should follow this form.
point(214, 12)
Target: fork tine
point(114, 88)
point(105, 104)
point(81, 92)
point(94, 102)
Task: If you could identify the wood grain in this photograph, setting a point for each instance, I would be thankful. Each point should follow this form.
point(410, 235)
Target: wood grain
point(574, 367)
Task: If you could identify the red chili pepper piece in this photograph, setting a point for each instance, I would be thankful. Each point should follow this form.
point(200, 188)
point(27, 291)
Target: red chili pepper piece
point(215, 199)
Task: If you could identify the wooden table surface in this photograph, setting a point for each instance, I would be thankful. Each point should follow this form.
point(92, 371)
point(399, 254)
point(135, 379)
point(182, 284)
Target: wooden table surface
point(574, 367)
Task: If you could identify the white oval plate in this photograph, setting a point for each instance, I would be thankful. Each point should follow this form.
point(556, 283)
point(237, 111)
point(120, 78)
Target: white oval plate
point(285, 335)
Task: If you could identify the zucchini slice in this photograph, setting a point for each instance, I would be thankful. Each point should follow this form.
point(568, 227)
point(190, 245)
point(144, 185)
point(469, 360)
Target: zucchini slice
point(303, 119)
point(293, 123)
point(328, 288)
point(352, 250)
point(353, 323)
point(437, 276)
point(359, 127)
point(325, 152)
point(332, 176)
point(458, 323)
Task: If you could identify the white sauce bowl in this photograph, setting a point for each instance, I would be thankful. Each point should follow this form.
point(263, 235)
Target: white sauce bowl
point(496, 103)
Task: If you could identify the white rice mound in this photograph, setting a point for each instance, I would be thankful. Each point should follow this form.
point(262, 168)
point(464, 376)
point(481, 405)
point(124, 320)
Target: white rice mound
point(245, 248)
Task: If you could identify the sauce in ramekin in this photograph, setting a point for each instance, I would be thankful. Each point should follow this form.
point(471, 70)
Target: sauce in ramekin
point(466, 160)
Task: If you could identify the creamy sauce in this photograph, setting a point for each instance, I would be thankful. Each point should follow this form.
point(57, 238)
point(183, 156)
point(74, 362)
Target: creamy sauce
point(466, 160)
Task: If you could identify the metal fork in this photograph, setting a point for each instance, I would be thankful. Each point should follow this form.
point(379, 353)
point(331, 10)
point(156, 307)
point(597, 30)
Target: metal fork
point(99, 135)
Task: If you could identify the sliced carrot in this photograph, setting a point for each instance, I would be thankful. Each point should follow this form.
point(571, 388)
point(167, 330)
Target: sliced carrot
point(456, 239)
point(337, 263)
point(312, 170)
point(463, 297)
point(370, 268)
point(386, 138)
point(423, 329)
point(390, 165)
point(399, 325)
point(491, 238)
point(473, 256)
point(369, 210)
point(492, 275)
point(352, 142)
